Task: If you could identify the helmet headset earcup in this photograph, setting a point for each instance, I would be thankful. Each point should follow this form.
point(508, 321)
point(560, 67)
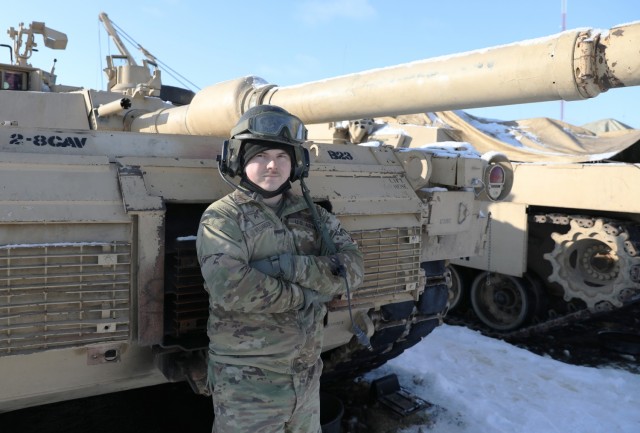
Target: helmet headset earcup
point(299, 167)
point(229, 162)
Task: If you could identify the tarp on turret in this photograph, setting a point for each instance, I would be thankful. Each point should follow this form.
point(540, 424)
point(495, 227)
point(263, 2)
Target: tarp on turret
point(531, 140)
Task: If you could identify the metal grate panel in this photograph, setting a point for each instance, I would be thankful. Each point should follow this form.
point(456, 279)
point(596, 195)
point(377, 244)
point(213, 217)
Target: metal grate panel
point(391, 260)
point(63, 295)
point(186, 300)
point(392, 265)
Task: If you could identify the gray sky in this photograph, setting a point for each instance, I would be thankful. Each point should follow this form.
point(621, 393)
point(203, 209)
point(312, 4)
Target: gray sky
point(289, 42)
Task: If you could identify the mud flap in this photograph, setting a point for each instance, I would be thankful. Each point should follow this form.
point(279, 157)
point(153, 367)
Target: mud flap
point(148, 213)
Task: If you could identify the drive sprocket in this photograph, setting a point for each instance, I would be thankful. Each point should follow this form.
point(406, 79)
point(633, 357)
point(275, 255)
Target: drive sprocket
point(595, 262)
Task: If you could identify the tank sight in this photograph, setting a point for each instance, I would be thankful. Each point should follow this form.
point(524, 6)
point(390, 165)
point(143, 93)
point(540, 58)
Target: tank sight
point(52, 39)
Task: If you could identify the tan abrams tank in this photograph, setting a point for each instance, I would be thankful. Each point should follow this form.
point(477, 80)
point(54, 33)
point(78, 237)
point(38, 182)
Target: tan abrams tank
point(102, 192)
point(565, 246)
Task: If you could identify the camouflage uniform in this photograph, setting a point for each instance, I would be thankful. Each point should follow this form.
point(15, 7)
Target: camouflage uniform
point(264, 351)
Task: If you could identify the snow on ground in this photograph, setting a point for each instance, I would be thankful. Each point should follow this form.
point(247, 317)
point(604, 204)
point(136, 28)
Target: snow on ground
point(488, 386)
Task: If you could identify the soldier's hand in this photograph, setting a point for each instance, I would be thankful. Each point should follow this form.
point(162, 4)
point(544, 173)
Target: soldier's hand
point(282, 266)
point(287, 264)
point(266, 266)
point(311, 297)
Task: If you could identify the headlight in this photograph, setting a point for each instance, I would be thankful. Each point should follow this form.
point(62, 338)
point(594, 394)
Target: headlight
point(498, 176)
point(495, 181)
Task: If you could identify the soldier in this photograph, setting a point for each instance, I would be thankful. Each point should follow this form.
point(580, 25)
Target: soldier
point(268, 274)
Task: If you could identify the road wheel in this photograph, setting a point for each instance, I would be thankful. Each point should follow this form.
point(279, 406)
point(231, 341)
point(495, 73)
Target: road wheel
point(456, 291)
point(502, 302)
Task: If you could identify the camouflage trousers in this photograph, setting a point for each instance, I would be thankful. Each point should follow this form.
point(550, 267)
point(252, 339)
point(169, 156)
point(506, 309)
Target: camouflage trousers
point(253, 400)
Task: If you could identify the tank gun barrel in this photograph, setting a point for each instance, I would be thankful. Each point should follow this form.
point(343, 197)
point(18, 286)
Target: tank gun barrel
point(572, 65)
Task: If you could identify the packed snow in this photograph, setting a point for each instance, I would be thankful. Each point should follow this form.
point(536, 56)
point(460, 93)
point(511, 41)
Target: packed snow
point(487, 386)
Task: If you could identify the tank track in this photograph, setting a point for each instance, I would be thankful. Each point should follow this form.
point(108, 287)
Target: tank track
point(578, 338)
point(608, 292)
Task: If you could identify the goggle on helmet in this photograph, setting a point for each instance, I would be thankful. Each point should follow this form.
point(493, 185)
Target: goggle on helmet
point(271, 126)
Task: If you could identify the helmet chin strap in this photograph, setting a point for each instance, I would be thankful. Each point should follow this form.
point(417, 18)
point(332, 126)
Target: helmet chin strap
point(263, 192)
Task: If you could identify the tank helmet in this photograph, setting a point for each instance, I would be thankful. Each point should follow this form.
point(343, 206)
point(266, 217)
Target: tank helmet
point(270, 123)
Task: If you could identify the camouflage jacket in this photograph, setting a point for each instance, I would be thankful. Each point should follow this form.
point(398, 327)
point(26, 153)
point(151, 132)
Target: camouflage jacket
point(256, 319)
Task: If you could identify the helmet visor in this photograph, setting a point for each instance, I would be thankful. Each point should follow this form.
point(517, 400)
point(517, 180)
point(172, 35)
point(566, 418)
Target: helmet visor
point(273, 125)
